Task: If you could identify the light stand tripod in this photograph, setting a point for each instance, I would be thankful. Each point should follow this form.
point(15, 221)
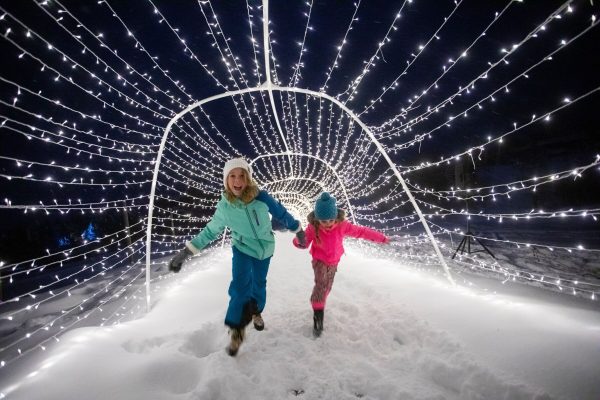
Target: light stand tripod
point(466, 241)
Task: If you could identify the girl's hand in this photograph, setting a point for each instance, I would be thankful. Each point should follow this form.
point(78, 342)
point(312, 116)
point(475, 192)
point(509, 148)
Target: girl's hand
point(175, 263)
point(301, 239)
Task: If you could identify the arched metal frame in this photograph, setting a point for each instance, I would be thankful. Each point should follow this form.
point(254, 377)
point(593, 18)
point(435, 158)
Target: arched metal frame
point(304, 201)
point(324, 162)
point(269, 87)
point(306, 204)
point(282, 89)
point(297, 178)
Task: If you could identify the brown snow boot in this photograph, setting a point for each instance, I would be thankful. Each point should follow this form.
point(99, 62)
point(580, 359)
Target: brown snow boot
point(237, 337)
point(259, 323)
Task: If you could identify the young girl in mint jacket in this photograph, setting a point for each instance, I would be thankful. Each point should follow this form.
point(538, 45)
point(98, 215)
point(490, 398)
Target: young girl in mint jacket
point(325, 236)
point(245, 210)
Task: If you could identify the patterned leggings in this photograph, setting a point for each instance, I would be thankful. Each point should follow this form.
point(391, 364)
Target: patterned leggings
point(324, 275)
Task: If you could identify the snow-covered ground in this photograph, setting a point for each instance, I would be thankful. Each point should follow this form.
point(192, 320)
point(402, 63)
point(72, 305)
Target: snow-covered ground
point(390, 333)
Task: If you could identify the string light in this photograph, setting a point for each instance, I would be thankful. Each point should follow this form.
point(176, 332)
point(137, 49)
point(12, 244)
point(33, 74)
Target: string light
point(87, 129)
point(484, 75)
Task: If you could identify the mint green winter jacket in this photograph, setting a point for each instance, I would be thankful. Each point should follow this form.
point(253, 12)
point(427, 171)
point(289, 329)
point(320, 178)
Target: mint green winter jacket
point(250, 225)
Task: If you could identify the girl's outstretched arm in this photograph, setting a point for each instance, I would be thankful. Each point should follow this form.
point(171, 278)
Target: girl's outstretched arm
point(210, 232)
point(362, 232)
point(278, 211)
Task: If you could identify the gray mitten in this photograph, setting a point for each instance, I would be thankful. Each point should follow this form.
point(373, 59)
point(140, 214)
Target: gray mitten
point(301, 236)
point(175, 263)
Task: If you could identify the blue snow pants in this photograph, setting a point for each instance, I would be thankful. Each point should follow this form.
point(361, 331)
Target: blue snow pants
point(248, 288)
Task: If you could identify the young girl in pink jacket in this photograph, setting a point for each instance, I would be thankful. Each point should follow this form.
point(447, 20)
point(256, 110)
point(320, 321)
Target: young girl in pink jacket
point(325, 236)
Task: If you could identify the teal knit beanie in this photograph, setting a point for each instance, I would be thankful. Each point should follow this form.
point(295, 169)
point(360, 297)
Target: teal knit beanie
point(325, 207)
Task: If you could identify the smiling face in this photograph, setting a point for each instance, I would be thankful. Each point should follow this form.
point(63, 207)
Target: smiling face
point(237, 181)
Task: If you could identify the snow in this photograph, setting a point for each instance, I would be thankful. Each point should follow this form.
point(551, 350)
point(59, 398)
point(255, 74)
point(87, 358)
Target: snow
point(391, 332)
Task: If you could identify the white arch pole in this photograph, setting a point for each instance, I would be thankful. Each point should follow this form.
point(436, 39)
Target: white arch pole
point(257, 89)
point(268, 83)
point(324, 162)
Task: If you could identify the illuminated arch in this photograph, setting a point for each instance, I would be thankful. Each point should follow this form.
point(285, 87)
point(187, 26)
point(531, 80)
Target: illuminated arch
point(269, 87)
point(321, 160)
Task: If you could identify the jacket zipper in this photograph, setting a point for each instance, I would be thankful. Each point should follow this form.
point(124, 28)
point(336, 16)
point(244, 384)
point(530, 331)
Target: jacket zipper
point(254, 231)
point(256, 217)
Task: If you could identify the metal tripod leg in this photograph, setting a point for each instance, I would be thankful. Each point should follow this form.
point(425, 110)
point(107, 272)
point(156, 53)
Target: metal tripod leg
point(485, 248)
point(466, 241)
point(461, 246)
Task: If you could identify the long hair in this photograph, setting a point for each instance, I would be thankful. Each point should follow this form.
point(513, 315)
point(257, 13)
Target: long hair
point(341, 215)
point(249, 193)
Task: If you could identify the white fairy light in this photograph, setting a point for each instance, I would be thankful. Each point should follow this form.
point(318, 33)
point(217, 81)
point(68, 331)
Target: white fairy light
point(92, 119)
point(485, 74)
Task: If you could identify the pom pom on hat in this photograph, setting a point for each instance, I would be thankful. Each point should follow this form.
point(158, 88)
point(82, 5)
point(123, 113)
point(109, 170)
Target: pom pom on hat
point(325, 207)
point(236, 163)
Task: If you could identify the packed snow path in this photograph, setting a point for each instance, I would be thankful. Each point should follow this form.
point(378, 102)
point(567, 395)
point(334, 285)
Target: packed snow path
point(390, 333)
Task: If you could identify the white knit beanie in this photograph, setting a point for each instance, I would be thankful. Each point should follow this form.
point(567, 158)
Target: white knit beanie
point(236, 163)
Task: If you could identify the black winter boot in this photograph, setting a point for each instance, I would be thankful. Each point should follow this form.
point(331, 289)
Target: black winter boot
point(318, 322)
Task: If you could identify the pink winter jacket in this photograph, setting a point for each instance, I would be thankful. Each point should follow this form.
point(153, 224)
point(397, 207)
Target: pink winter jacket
point(331, 247)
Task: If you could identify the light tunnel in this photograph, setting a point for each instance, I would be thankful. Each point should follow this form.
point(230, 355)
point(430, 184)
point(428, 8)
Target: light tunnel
point(467, 133)
point(342, 169)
